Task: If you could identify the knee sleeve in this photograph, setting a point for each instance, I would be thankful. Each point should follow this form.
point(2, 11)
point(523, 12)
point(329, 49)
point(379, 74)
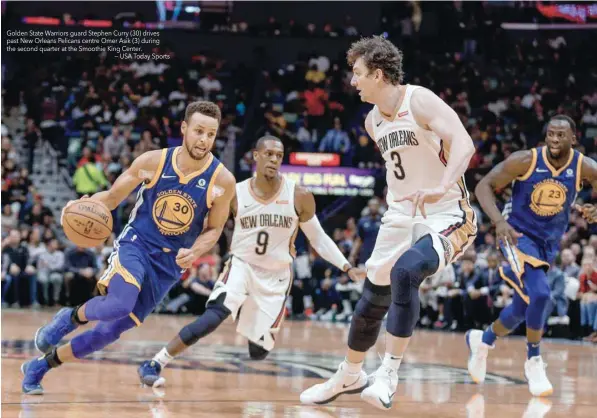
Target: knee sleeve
point(256, 352)
point(416, 264)
point(100, 336)
point(213, 316)
point(368, 316)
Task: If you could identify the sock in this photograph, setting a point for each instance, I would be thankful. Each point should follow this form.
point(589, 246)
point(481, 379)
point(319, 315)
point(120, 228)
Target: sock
point(489, 336)
point(392, 361)
point(74, 317)
point(163, 357)
point(52, 359)
point(353, 368)
point(533, 350)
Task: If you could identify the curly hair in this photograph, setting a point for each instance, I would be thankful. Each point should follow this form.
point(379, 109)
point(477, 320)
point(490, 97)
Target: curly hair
point(205, 108)
point(378, 53)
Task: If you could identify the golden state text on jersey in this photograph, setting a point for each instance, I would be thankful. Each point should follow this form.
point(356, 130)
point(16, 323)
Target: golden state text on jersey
point(171, 209)
point(542, 197)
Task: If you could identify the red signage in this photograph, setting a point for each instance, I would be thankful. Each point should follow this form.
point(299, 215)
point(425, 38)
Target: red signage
point(578, 13)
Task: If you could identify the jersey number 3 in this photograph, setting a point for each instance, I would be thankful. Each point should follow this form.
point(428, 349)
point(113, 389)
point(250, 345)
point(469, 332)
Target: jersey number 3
point(398, 169)
point(262, 241)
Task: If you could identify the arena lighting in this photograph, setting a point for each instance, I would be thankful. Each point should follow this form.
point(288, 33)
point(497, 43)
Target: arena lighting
point(548, 26)
point(192, 9)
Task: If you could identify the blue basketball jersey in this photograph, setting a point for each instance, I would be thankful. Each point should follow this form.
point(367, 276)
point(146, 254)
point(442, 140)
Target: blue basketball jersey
point(170, 210)
point(542, 197)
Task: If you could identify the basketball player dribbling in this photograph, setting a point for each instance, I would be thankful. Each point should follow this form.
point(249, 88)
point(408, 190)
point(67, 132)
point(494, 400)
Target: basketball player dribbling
point(429, 222)
point(268, 210)
point(545, 182)
point(166, 232)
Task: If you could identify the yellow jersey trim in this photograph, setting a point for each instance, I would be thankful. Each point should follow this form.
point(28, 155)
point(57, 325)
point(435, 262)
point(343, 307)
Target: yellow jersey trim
point(579, 173)
point(556, 172)
point(158, 172)
point(532, 166)
point(185, 179)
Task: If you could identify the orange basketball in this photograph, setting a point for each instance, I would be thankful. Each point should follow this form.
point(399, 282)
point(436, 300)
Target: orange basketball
point(87, 223)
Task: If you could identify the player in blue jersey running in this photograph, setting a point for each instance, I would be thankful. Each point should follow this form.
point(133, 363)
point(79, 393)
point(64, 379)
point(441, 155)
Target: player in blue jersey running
point(166, 232)
point(545, 182)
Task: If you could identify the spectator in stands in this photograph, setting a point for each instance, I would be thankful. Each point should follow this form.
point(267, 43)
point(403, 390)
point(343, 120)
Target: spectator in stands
point(16, 268)
point(80, 266)
point(50, 270)
point(569, 266)
point(588, 299)
point(114, 144)
point(367, 230)
point(559, 300)
point(9, 219)
point(336, 140)
point(314, 75)
point(210, 86)
point(88, 179)
point(476, 294)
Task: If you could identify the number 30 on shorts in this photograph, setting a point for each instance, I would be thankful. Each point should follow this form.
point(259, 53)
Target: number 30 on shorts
point(262, 241)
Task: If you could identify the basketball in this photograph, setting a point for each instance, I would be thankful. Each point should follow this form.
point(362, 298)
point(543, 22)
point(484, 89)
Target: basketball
point(87, 223)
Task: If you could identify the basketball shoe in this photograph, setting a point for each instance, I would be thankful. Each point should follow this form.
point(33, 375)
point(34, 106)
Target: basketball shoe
point(49, 335)
point(33, 371)
point(534, 371)
point(149, 374)
point(477, 359)
point(381, 393)
point(340, 383)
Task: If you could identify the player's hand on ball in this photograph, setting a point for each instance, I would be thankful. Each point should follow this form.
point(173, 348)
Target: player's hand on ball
point(70, 202)
point(356, 274)
point(506, 234)
point(588, 212)
point(186, 257)
point(420, 197)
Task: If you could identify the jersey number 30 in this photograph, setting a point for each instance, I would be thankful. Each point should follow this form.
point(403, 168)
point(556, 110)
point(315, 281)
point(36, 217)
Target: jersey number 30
point(398, 169)
point(262, 241)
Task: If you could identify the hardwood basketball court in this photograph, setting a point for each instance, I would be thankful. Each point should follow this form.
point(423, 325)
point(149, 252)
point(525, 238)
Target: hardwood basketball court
point(216, 378)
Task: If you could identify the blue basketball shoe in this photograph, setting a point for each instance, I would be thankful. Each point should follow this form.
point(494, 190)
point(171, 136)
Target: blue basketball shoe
point(49, 335)
point(33, 371)
point(149, 374)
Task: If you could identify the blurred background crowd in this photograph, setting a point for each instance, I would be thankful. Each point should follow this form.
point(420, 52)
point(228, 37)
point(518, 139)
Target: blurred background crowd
point(73, 124)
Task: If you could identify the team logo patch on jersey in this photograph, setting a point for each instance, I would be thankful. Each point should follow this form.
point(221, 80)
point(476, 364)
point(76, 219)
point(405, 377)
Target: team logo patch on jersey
point(173, 212)
point(548, 197)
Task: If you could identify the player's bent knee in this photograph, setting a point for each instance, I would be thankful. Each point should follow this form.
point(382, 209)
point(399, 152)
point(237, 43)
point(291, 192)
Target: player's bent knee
point(368, 316)
point(214, 315)
point(256, 352)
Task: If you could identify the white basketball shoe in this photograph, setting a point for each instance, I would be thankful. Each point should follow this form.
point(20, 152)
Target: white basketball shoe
point(534, 371)
point(340, 383)
point(477, 359)
point(381, 392)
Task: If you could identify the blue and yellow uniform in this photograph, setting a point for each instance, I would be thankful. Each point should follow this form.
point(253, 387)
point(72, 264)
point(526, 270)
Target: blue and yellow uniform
point(539, 209)
point(169, 214)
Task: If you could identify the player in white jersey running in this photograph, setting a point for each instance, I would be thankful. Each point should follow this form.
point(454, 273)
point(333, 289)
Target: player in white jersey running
point(267, 209)
point(429, 222)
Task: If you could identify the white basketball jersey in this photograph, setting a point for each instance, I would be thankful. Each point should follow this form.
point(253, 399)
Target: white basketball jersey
point(264, 231)
point(415, 158)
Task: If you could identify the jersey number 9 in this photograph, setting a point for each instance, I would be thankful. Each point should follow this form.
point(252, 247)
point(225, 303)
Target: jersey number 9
point(262, 241)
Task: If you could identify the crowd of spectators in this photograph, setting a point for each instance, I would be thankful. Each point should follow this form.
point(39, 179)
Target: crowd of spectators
point(99, 115)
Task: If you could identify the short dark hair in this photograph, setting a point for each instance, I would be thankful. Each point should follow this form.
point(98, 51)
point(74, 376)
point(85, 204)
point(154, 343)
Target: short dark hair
point(568, 119)
point(205, 108)
point(261, 141)
point(378, 53)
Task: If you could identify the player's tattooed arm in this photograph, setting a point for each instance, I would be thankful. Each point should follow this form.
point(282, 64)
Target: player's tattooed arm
point(143, 169)
point(515, 166)
point(218, 215)
point(319, 240)
point(588, 173)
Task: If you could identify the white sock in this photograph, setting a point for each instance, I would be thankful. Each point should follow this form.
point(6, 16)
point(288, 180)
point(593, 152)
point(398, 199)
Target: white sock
point(163, 357)
point(392, 361)
point(353, 368)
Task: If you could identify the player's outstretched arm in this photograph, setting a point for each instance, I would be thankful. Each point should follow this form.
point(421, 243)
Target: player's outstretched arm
point(588, 173)
point(323, 244)
point(224, 188)
point(515, 166)
point(144, 168)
